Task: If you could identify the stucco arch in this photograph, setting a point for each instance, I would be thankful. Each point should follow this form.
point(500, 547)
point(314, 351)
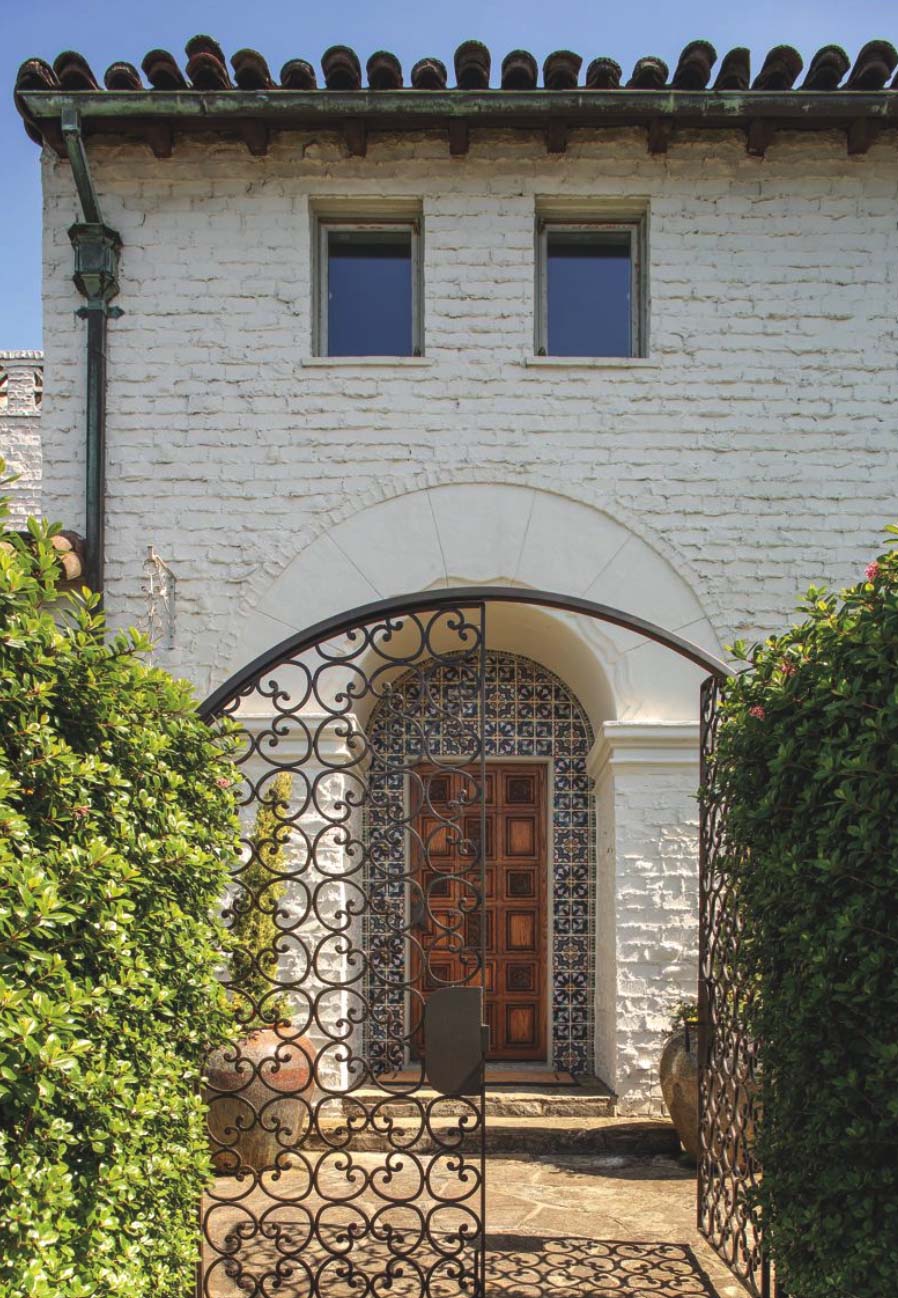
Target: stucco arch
point(501, 534)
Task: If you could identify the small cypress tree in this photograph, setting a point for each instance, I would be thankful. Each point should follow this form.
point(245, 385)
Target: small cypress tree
point(254, 930)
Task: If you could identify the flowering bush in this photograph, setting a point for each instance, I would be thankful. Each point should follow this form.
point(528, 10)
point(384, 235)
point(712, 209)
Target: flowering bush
point(116, 844)
point(808, 763)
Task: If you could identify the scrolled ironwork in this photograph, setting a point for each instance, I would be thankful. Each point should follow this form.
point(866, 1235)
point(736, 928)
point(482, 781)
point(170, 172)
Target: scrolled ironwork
point(337, 1170)
point(729, 1095)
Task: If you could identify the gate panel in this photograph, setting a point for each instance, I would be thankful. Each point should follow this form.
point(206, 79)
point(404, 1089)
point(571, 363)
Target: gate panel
point(728, 1170)
point(339, 1171)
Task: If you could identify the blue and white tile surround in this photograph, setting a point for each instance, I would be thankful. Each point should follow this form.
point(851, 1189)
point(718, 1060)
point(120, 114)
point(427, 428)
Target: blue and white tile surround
point(530, 713)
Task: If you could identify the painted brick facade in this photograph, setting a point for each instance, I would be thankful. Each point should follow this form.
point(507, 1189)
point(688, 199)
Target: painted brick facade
point(754, 448)
point(21, 392)
point(757, 446)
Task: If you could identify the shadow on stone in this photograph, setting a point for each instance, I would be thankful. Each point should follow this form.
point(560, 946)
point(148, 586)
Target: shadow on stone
point(298, 1256)
point(532, 1266)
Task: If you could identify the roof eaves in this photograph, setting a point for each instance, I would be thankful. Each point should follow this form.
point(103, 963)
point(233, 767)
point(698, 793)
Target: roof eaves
point(142, 113)
point(203, 95)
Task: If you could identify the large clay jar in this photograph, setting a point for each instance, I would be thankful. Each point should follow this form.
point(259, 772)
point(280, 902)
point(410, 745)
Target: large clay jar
point(260, 1095)
point(679, 1086)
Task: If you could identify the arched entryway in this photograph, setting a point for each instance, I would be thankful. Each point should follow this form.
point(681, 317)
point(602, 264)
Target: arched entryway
point(380, 901)
point(540, 841)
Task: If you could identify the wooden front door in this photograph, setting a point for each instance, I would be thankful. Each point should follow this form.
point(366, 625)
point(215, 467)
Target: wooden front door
point(514, 910)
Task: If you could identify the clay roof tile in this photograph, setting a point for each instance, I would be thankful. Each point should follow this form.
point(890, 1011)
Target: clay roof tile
point(161, 70)
point(561, 70)
point(122, 76)
point(875, 64)
point(74, 71)
point(251, 71)
point(384, 71)
point(472, 66)
point(429, 74)
point(699, 101)
point(519, 71)
point(781, 66)
point(341, 68)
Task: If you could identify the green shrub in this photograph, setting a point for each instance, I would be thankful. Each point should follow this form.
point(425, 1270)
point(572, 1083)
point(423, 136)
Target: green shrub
point(808, 761)
point(117, 839)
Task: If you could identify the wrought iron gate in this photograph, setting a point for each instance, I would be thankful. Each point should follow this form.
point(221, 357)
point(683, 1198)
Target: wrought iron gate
point(349, 1159)
point(728, 1169)
point(349, 1162)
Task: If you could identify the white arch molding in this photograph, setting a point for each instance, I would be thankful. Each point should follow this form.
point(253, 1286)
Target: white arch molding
point(500, 534)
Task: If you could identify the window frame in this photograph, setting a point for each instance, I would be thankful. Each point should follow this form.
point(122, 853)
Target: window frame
point(635, 229)
point(363, 225)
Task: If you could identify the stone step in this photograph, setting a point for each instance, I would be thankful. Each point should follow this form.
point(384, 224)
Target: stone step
point(516, 1135)
point(509, 1102)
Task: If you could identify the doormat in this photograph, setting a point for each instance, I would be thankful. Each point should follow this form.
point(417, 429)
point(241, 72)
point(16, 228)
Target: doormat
point(519, 1077)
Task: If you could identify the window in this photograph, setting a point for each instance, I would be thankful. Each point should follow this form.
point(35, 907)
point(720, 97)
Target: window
point(368, 288)
point(588, 294)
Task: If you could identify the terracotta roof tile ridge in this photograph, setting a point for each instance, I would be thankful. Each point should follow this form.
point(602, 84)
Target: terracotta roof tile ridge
point(206, 69)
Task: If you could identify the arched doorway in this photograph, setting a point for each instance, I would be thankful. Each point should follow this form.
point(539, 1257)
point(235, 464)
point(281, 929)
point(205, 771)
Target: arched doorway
point(540, 848)
point(381, 904)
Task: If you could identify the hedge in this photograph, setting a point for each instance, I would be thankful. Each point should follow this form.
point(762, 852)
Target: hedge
point(808, 762)
point(118, 834)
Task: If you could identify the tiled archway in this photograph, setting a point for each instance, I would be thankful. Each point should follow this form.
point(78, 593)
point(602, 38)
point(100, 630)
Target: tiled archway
point(530, 713)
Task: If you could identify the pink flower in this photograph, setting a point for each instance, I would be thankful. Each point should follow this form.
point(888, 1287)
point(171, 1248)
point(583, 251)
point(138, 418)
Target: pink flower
point(872, 571)
point(81, 811)
point(757, 712)
point(223, 782)
point(787, 667)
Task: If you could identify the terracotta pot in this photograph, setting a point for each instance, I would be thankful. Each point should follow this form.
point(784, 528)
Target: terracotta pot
point(260, 1095)
point(679, 1086)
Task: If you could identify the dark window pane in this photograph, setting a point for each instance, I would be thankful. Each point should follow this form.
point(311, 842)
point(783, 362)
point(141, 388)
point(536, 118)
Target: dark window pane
point(369, 293)
point(588, 280)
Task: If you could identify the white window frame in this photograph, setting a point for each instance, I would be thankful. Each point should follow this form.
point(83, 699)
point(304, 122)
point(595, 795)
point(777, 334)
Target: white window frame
point(322, 264)
point(635, 229)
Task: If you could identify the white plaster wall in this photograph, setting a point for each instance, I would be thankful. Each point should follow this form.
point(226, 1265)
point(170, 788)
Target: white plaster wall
point(20, 432)
point(648, 891)
point(756, 450)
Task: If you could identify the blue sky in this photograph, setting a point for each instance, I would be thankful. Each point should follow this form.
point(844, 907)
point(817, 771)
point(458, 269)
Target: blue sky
point(105, 30)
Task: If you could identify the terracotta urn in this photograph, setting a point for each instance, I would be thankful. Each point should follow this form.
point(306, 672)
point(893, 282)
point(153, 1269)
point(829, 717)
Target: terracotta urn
point(679, 1086)
point(261, 1096)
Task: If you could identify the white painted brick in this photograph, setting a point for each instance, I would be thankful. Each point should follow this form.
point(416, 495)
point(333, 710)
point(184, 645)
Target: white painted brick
point(20, 437)
point(759, 454)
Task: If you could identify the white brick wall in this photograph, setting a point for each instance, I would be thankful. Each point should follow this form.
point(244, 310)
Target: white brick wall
point(760, 450)
point(647, 898)
point(757, 450)
point(20, 431)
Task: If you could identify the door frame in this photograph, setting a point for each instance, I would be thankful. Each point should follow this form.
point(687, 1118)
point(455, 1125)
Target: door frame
point(548, 767)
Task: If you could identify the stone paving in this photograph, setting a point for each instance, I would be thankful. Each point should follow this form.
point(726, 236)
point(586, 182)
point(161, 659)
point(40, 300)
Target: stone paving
point(629, 1222)
point(557, 1226)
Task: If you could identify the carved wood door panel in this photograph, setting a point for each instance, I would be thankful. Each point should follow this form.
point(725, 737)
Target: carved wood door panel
point(515, 910)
